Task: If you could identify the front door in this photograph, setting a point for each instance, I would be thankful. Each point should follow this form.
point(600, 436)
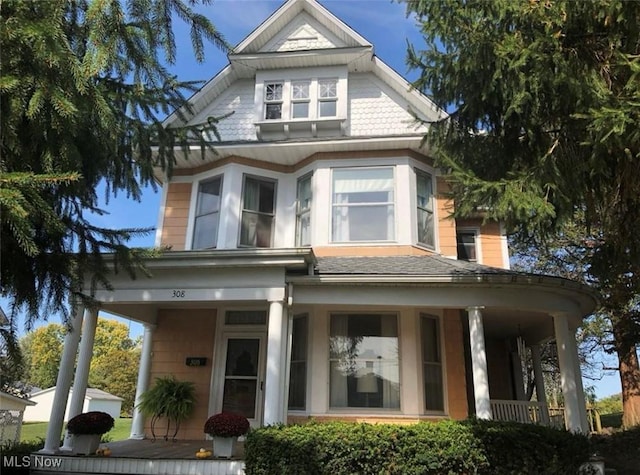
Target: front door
point(242, 388)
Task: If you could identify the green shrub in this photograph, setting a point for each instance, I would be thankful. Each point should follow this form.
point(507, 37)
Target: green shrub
point(447, 447)
point(516, 449)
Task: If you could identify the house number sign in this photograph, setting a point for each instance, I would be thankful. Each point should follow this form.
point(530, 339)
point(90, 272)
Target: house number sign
point(178, 294)
point(196, 361)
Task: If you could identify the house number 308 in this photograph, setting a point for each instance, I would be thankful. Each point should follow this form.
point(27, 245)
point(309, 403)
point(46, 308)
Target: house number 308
point(178, 294)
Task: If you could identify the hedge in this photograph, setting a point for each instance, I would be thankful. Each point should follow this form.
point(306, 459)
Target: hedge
point(447, 447)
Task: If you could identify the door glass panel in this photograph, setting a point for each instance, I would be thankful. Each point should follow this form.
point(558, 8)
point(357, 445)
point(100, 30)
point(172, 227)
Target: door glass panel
point(241, 376)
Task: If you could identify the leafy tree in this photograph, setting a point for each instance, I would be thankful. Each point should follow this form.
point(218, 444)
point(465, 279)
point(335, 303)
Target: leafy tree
point(11, 361)
point(545, 101)
point(84, 87)
point(610, 404)
point(114, 365)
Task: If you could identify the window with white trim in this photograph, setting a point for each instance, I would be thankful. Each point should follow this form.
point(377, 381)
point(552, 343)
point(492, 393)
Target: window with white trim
point(363, 204)
point(258, 212)
point(205, 223)
point(466, 241)
point(364, 361)
point(303, 211)
point(300, 99)
point(298, 371)
point(273, 93)
point(432, 363)
point(424, 200)
point(327, 97)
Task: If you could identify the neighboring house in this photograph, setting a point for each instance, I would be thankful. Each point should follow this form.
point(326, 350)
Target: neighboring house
point(12, 409)
point(314, 269)
point(94, 400)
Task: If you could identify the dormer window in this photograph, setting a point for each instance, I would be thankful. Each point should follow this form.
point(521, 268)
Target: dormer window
point(327, 97)
point(300, 99)
point(273, 100)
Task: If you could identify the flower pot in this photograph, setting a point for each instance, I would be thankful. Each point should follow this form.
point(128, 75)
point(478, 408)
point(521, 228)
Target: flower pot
point(86, 444)
point(223, 447)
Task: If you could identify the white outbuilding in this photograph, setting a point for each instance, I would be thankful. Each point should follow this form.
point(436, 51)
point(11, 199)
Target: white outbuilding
point(94, 400)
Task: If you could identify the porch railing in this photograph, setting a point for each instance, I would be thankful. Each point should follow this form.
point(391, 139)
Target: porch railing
point(527, 412)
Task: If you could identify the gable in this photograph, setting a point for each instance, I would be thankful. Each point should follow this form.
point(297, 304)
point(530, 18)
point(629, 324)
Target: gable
point(303, 33)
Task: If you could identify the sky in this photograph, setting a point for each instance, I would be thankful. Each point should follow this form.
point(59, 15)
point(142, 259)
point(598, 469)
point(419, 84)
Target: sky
point(381, 22)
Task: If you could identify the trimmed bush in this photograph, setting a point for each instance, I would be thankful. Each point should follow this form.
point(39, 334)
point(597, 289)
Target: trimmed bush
point(447, 447)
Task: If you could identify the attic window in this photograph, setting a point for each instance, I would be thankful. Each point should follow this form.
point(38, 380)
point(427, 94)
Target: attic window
point(273, 100)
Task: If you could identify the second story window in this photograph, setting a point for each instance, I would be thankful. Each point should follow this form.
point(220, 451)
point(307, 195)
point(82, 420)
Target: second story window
point(300, 99)
point(363, 204)
point(258, 212)
point(466, 241)
point(303, 211)
point(424, 188)
point(273, 100)
point(327, 97)
point(205, 226)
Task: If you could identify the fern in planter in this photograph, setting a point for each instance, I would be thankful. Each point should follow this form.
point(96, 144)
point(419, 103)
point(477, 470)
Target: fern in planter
point(169, 398)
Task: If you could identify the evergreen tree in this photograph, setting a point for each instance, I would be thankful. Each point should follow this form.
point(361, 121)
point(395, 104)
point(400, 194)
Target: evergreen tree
point(545, 105)
point(84, 87)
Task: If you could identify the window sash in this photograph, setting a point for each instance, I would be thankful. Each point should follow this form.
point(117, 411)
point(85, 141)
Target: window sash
point(363, 360)
point(466, 242)
point(433, 383)
point(207, 215)
point(258, 212)
point(425, 215)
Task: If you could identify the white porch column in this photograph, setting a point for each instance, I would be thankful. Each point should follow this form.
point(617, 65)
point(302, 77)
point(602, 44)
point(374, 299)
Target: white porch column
point(144, 371)
point(568, 373)
point(273, 381)
point(82, 370)
point(63, 383)
point(479, 364)
point(541, 396)
point(582, 403)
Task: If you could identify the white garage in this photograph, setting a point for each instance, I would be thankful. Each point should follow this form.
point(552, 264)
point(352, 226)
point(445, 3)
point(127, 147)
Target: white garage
point(94, 400)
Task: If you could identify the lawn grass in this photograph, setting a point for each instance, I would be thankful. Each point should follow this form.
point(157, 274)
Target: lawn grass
point(38, 430)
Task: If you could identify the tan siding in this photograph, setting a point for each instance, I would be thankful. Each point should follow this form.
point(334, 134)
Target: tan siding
point(181, 333)
point(455, 367)
point(176, 216)
point(446, 225)
point(324, 251)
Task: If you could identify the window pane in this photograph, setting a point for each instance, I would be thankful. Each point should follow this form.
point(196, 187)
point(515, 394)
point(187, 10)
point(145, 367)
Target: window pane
point(432, 364)
point(245, 317)
point(425, 228)
point(424, 198)
point(327, 88)
point(303, 218)
point(300, 90)
point(466, 246)
point(256, 230)
point(273, 92)
point(304, 193)
point(205, 231)
point(365, 223)
point(364, 369)
point(425, 191)
point(327, 108)
point(299, 110)
point(298, 375)
point(208, 197)
point(273, 111)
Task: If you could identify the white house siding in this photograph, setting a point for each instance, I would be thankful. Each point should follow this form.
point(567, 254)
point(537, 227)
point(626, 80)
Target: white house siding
point(375, 109)
point(303, 33)
point(238, 99)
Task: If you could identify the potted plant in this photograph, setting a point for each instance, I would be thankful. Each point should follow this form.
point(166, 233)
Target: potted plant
point(225, 428)
point(171, 399)
point(87, 429)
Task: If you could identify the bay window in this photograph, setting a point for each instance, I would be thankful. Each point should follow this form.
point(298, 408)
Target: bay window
point(258, 212)
point(205, 225)
point(364, 364)
point(424, 188)
point(363, 204)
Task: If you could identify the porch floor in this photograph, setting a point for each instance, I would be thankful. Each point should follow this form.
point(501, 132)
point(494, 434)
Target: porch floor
point(138, 457)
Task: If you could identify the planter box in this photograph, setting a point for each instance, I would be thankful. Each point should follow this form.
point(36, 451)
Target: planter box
point(224, 447)
point(86, 444)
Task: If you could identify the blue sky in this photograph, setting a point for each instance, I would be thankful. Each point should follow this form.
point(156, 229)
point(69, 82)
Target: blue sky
point(381, 22)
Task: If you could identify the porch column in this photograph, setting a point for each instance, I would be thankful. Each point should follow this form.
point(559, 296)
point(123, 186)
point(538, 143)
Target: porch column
point(82, 370)
point(582, 403)
point(273, 381)
point(144, 371)
point(541, 396)
point(568, 373)
point(63, 383)
point(479, 363)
